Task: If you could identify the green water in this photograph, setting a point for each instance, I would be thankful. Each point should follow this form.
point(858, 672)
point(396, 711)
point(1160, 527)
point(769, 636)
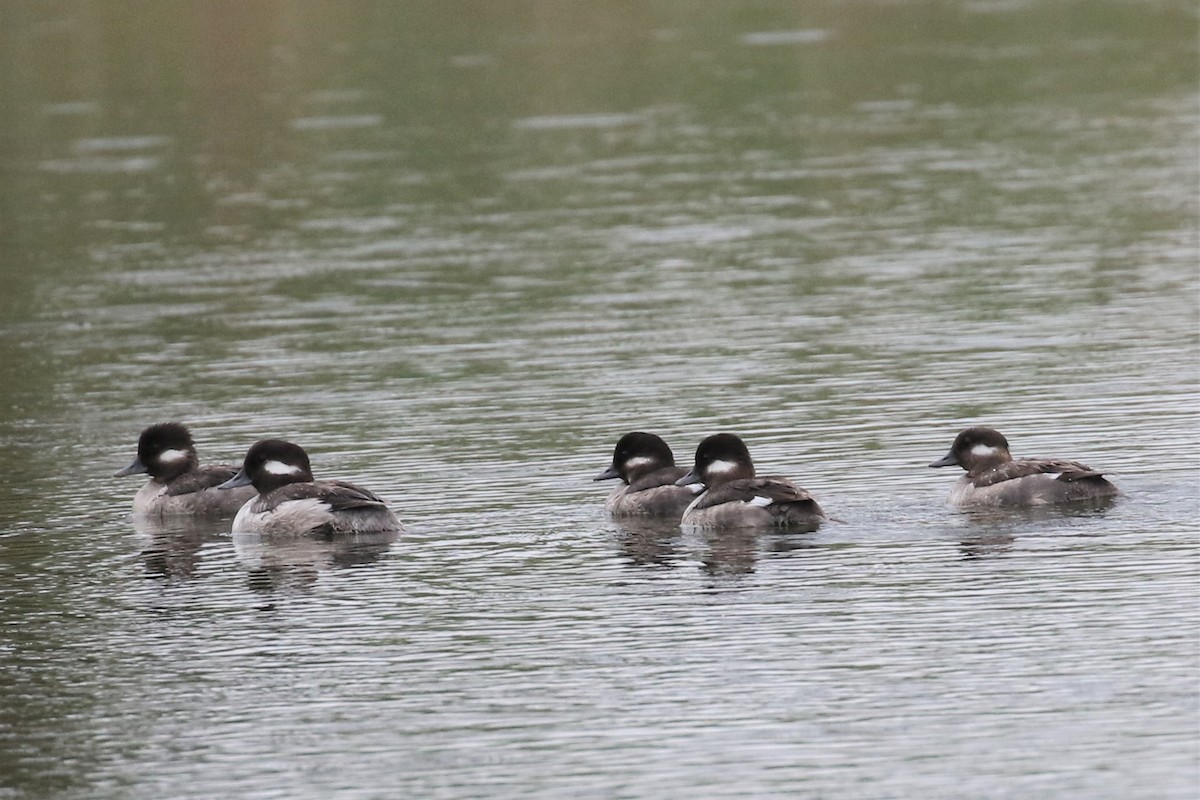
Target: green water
point(456, 250)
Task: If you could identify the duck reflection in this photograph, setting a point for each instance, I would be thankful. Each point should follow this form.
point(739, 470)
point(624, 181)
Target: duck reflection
point(735, 551)
point(174, 546)
point(274, 565)
point(661, 544)
point(786, 543)
point(992, 532)
point(730, 551)
point(649, 542)
point(986, 544)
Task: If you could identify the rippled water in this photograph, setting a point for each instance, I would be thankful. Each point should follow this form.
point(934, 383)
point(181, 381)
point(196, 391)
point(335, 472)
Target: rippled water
point(457, 258)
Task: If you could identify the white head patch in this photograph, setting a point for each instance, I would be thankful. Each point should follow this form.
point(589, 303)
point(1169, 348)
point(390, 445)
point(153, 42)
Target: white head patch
point(760, 501)
point(637, 461)
point(173, 455)
point(720, 467)
point(983, 450)
point(274, 467)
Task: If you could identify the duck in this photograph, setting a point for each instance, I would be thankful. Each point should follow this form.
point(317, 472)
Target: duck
point(995, 478)
point(646, 467)
point(735, 496)
point(290, 502)
point(179, 485)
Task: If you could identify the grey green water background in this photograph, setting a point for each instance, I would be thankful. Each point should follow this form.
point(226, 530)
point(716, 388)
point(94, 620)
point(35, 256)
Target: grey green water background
point(455, 250)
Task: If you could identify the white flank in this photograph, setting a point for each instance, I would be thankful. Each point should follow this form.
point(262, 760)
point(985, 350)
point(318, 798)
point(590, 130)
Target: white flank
point(761, 502)
point(241, 523)
point(173, 455)
point(721, 467)
point(306, 507)
point(280, 468)
point(983, 450)
point(289, 517)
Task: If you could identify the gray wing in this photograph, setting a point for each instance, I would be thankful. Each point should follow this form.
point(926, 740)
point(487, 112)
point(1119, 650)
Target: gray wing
point(1065, 470)
point(778, 490)
point(201, 478)
point(338, 495)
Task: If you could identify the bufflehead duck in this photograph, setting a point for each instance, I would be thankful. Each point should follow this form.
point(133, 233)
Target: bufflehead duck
point(178, 485)
point(735, 498)
point(995, 478)
point(290, 502)
point(646, 467)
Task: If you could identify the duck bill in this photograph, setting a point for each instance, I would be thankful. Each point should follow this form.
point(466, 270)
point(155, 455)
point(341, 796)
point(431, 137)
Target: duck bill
point(689, 479)
point(607, 475)
point(947, 460)
point(241, 479)
point(136, 468)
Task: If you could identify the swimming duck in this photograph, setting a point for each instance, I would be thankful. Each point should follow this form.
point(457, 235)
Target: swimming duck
point(290, 502)
point(735, 497)
point(995, 478)
point(179, 485)
point(646, 467)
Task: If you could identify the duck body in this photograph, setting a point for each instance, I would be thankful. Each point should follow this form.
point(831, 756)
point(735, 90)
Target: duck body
point(760, 502)
point(327, 507)
point(192, 494)
point(735, 497)
point(994, 478)
point(289, 502)
point(649, 488)
point(179, 485)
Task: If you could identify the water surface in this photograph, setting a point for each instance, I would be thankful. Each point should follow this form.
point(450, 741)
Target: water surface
point(456, 256)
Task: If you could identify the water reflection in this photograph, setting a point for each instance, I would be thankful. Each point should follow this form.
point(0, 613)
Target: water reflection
point(652, 543)
point(987, 532)
point(174, 546)
point(725, 553)
point(663, 545)
point(737, 551)
point(986, 544)
point(451, 249)
point(1032, 517)
point(784, 543)
point(294, 564)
